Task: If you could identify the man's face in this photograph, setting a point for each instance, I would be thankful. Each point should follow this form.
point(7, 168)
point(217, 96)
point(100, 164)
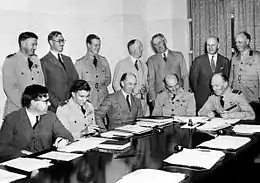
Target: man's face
point(159, 44)
point(81, 96)
point(241, 42)
point(173, 86)
point(29, 46)
point(57, 43)
point(137, 49)
point(94, 47)
point(218, 85)
point(129, 84)
point(41, 104)
point(212, 46)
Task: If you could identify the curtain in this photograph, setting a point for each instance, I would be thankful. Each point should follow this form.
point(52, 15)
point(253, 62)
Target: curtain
point(211, 18)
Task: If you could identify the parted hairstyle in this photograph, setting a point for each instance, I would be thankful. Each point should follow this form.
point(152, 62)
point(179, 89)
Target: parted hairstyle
point(79, 85)
point(33, 92)
point(26, 35)
point(53, 34)
point(90, 37)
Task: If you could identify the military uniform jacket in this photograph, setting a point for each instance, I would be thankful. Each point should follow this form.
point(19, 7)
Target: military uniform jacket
point(117, 110)
point(183, 104)
point(242, 109)
point(245, 75)
point(158, 69)
point(98, 78)
point(16, 76)
point(73, 119)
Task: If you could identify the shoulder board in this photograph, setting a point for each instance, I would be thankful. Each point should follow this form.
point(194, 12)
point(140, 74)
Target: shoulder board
point(9, 56)
point(237, 92)
point(80, 58)
point(63, 103)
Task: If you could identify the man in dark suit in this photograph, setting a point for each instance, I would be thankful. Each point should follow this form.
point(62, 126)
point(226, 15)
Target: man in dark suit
point(121, 107)
point(203, 68)
point(59, 70)
point(32, 128)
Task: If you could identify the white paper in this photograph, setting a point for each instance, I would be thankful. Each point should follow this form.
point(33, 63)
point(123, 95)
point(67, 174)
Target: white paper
point(153, 124)
point(225, 142)
point(190, 127)
point(83, 144)
point(63, 156)
point(28, 164)
point(152, 176)
point(222, 120)
point(203, 158)
point(195, 119)
point(135, 129)
point(114, 134)
point(246, 129)
point(214, 124)
point(114, 146)
point(6, 176)
point(157, 119)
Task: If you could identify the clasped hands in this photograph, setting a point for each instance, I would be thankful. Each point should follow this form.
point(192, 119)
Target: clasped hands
point(90, 129)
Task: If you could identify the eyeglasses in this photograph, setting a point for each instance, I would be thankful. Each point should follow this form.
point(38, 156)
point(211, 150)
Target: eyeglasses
point(59, 41)
point(44, 101)
point(175, 87)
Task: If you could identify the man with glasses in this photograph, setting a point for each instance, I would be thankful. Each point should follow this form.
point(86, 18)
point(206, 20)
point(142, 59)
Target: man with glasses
point(32, 128)
point(174, 100)
point(21, 69)
point(59, 70)
point(225, 102)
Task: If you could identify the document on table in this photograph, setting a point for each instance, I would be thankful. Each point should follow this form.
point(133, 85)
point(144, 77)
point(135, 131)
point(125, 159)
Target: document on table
point(214, 124)
point(156, 119)
point(135, 129)
point(63, 156)
point(195, 119)
point(28, 164)
point(153, 124)
point(225, 142)
point(6, 176)
point(116, 134)
point(83, 144)
point(114, 144)
point(200, 158)
point(246, 129)
point(152, 176)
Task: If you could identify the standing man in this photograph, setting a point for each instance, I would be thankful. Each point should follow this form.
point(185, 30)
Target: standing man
point(133, 64)
point(20, 70)
point(59, 70)
point(121, 107)
point(94, 69)
point(202, 69)
point(245, 71)
point(163, 63)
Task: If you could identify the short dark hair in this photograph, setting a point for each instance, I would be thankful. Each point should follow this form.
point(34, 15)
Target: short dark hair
point(33, 92)
point(80, 85)
point(158, 35)
point(130, 43)
point(90, 37)
point(26, 35)
point(53, 34)
point(248, 36)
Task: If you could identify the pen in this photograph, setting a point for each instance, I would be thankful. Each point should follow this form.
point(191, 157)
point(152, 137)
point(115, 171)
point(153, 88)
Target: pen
point(231, 107)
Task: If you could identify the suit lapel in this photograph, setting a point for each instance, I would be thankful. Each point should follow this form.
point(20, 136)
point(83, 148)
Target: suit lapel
point(55, 61)
point(122, 101)
point(219, 66)
point(207, 65)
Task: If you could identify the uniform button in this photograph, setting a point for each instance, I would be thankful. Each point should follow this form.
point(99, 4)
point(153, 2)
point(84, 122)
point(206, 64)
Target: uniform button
point(22, 73)
point(172, 102)
point(32, 78)
point(96, 76)
point(172, 109)
point(75, 121)
point(38, 72)
point(240, 69)
point(85, 124)
point(97, 90)
point(85, 116)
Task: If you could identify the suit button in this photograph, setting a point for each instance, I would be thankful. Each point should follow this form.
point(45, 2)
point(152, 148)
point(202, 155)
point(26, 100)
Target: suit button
point(97, 90)
point(32, 78)
point(75, 121)
point(172, 109)
point(96, 76)
point(85, 116)
point(85, 124)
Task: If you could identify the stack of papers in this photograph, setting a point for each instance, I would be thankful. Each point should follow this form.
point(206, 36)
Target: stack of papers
point(135, 129)
point(83, 144)
point(153, 124)
point(116, 134)
point(246, 129)
point(225, 142)
point(214, 125)
point(63, 156)
point(156, 119)
point(195, 119)
point(6, 176)
point(27, 164)
point(114, 145)
point(152, 176)
point(195, 158)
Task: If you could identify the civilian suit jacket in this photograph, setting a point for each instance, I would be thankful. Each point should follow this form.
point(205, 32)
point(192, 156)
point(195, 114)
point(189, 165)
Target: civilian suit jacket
point(17, 133)
point(117, 110)
point(158, 69)
point(201, 74)
point(57, 79)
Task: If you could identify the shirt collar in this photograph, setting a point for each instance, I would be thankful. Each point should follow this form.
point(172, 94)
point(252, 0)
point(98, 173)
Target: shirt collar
point(55, 53)
point(20, 53)
point(215, 57)
point(31, 117)
point(166, 53)
point(124, 93)
point(133, 58)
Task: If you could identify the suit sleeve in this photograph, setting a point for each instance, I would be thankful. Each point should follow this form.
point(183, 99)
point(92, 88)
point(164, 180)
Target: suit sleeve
point(191, 107)
point(157, 111)
point(62, 116)
point(78, 69)
point(60, 131)
point(227, 67)
point(74, 72)
point(151, 80)
point(10, 82)
point(207, 107)
point(194, 75)
point(107, 73)
point(184, 72)
point(116, 78)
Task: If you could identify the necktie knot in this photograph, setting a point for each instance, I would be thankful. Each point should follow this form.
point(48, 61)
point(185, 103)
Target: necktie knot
point(95, 61)
point(136, 65)
point(164, 57)
point(212, 64)
point(30, 63)
point(83, 110)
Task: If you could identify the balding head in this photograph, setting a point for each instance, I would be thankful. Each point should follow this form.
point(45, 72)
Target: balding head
point(171, 82)
point(219, 83)
point(212, 44)
point(128, 82)
point(135, 48)
point(243, 41)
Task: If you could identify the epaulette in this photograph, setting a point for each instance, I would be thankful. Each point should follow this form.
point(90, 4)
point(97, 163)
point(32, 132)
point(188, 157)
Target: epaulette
point(9, 56)
point(79, 59)
point(63, 103)
point(237, 92)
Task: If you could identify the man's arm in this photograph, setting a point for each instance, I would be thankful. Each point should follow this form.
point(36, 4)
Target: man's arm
point(231, 74)
point(157, 111)
point(107, 73)
point(184, 72)
point(116, 78)
point(207, 108)
point(194, 74)
point(151, 80)
point(191, 106)
point(59, 130)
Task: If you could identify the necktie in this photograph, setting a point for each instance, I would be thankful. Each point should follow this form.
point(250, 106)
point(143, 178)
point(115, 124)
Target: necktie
point(221, 101)
point(37, 121)
point(136, 65)
point(83, 110)
point(128, 102)
point(95, 61)
point(59, 58)
point(164, 57)
point(30, 63)
point(212, 64)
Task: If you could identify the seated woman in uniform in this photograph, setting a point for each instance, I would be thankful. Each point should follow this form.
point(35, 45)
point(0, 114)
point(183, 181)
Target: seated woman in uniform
point(77, 114)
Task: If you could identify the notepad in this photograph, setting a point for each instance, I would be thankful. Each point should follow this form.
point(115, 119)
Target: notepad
point(201, 158)
point(28, 164)
point(6, 176)
point(116, 134)
point(156, 119)
point(152, 176)
point(153, 124)
point(225, 142)
point(63, 156)
point(194, 119)
point(114, 145)
point(246, 129)
point(135, 129)
point(214, 125)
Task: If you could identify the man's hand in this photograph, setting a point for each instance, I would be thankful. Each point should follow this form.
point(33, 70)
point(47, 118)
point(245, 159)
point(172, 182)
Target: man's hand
point(26, 152)
point(225, 115)
point(61, 142)
point(90, 130)
point(211, 114)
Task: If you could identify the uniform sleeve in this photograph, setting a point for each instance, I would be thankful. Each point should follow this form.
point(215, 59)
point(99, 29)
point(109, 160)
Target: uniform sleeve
point(157, 111)
point(151, 80)
point(207, 107)
point(78, 69)
point(107, 73)
point(116, 78)
point(258, 74)
point(92, 115)
point(231, 74)
point(184, 72)
point(74, 73)
point(60, 131)
point(191, 106)
point(194, 74)
point(140, 112)
point(62, 116)
point(10, 82)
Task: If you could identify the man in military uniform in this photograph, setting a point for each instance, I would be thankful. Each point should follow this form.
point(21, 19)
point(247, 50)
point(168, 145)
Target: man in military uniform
point(245, 71)
point(174, 100)
point(94, 69)
point(77, 114)
point(20, 70)
point(226, 102)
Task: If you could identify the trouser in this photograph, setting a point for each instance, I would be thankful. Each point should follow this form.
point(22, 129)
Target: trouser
point(256, 108)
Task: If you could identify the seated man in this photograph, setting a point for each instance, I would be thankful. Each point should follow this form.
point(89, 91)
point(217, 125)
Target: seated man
point(121, 107)
point(174, 100)
point(226, 102)
point(77, 114)
point(32, 128)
